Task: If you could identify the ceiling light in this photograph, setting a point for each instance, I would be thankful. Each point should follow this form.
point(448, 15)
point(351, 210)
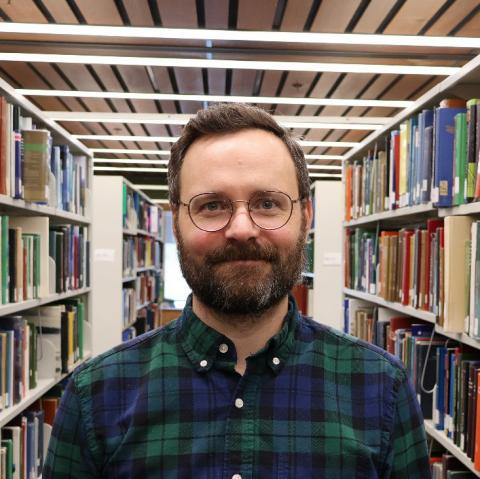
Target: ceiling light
point(238, 35)
point(220, 98)
point(151, 187)
point(173, 139)
point(160, 201)
point(119, 168)
point(324, 175)
point(139, 161)
point(324, 157)
point(233, 64)
point(132, 152)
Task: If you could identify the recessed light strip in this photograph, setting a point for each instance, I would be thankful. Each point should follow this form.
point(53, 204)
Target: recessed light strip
point(219, 98)
point(131, 161)
point(238, 35)
point(233, 64)
point(324, 175)
point(120, 168)
point(130, 152)
point(152, 187)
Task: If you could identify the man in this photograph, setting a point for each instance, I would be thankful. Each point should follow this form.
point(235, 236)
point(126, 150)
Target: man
point(240, 386)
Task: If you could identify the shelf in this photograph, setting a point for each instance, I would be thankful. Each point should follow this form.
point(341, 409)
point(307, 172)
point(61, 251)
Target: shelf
point(144, 305)
point(146, 268)
point(460, 337)
point(400, 214)
point(43, 385)
point(450, 446)
point(308, 275)
point(127, 279)
point(34, 209)
point(467, 209)
point(408, 310)
point(11, 308)
point(129, 232)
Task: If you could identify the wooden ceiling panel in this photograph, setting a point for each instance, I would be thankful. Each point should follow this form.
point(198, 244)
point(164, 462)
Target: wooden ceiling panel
point(373, 16)
point(24, 11)
point(332, 19)
point(23, 75)
point(135, 78)
point(162, 81)
point(321, 90)
point(79, 76)
point(97, 12)
point(189, 80)
point(138, 13)
point(243, 82)
point(75, 128)
point(216, 81)
point(255, 15)
point(452, 17)
point(51, 103)
point(60, 11)
point(412, 16)
point(216, 14)
point(471, 28)
point(156, 130)
point(175, 14)
point(297, 86)
point(295, 15)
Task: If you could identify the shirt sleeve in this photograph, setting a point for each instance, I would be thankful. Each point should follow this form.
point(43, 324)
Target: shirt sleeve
point(69, 454)
point(409, 452)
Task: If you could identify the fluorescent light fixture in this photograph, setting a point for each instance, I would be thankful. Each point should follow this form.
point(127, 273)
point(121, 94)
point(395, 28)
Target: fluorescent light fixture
point(138, 161)
point(160, 202)
point(324, 167)
point(324, 175)
point(173, 139)
point(233, 64)
point(219, 98)
point(119, 168)
point(236, 35)
point(324, 157)
point(152, 187)
point(132, 152)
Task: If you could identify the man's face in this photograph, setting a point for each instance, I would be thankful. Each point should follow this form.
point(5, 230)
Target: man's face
point(241, 269)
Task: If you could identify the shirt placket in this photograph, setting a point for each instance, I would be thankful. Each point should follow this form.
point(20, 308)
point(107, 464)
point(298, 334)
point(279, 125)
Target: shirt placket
point(240, 429)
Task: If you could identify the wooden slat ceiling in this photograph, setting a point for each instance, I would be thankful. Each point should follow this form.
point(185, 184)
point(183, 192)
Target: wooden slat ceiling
point(411, 17)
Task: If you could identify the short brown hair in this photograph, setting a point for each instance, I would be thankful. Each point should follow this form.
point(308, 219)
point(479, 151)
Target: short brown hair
point(228, 118)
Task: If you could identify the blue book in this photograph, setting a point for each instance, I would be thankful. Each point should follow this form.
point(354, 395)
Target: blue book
point(439, 397)
point(425, 154)
point(444, 135)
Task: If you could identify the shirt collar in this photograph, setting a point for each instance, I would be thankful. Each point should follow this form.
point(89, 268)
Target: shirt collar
point(201, 343)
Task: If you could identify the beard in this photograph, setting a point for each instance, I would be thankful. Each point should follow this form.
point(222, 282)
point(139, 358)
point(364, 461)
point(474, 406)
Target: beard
point(243, 289)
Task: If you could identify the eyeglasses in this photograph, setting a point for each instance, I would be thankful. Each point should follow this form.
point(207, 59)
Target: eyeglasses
point(269, 210)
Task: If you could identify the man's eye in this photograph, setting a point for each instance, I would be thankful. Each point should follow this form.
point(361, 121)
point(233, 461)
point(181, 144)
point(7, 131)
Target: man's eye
point(212, 206)
point(267, 204)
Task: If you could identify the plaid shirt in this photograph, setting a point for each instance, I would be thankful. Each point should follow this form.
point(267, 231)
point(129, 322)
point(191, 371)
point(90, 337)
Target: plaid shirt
point(313, 403)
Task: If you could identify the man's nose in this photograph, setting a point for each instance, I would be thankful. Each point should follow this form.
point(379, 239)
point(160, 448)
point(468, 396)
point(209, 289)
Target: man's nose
point(241, 226)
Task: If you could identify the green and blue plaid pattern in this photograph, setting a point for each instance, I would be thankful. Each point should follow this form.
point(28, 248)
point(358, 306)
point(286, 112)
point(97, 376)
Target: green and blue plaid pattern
point(313, 403)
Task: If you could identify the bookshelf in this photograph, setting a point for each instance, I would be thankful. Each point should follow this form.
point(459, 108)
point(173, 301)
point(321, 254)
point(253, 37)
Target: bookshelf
point(465, 85)
point(127, 252)
point(40, 281)
point(324, 280)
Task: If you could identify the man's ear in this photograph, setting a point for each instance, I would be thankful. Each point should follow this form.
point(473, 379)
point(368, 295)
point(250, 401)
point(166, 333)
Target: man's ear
point(308, 209)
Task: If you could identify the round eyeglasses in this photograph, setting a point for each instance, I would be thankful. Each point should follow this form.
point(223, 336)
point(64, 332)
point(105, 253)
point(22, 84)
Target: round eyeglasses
point(269, 210)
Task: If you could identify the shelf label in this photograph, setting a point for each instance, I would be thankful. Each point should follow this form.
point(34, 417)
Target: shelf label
point(104, 255)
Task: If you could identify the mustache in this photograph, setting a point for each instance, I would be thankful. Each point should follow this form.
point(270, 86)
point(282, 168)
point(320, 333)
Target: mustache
point(242, 252)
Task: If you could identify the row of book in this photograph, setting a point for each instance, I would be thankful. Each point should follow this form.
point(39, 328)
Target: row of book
point(140, 214)
point(24, 440)
point(148, 318)
point(52, 333)
point(444, 373)
point(434, 268)
point(140, 252)
point(447, 466)
point(34, 169)
point(69, 250)
point(432, 157)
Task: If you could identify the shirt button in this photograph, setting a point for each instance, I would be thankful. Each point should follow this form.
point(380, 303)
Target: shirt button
point(238, 404)
point(203, 363)
point(236, 476)
point(276, 361)
point(223, 348)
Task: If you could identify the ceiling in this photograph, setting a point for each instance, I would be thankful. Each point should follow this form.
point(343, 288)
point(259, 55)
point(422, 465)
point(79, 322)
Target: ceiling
point(158, 72)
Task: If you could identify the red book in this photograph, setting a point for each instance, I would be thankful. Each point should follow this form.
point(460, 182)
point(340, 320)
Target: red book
point(397, 323)
point(407, 234)
point(432, 225)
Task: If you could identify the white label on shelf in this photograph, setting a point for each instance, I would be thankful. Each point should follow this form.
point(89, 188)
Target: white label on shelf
point(436, 416)
point(462, 441)
point(435, 194)
point(372, 288)
point(331, 259)
point(105, 255)
point(424, 185)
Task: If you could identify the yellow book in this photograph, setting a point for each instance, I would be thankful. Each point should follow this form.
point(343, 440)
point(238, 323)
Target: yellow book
point(457, 233)
point(71, 332)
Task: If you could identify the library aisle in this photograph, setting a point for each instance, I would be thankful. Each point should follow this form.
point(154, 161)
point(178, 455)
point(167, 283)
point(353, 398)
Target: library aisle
point(384, 98)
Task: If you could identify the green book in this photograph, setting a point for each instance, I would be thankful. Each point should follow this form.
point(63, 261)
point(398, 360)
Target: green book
point(460, 158)
point(471, 148)
point(5, 255)
point(8, 445)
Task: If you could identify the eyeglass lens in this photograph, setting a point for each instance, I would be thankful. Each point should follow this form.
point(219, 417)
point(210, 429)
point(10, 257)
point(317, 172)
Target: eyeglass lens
point(268, 210)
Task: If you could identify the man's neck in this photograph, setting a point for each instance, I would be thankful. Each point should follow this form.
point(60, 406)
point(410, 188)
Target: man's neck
point(248, 334)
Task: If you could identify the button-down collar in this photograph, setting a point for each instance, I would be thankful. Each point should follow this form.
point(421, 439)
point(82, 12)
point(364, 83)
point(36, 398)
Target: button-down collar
point(201, 343)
